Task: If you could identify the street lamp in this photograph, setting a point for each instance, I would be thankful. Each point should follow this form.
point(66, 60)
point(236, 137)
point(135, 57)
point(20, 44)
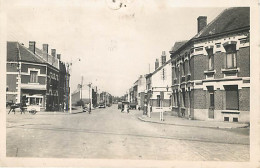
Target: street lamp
point(70, 71)
point(89, 85)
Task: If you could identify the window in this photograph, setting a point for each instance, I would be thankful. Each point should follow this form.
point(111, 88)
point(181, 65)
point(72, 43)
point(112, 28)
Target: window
point(183, 67)
point(231, 56)
point(231, 97)
point(174, 100)
point(235, 119)
point(158, 101)
point(173, 73)
point(211, 96)
point(33, 76)
point(210, 59)
point(226, 118)
point(183, 98)
point(34, 101)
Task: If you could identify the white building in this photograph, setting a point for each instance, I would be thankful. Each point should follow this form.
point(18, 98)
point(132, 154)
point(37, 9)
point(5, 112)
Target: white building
point(158, 86)
point(84, 94)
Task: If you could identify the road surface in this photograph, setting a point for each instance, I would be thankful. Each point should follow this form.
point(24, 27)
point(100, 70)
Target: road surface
point(108, 133)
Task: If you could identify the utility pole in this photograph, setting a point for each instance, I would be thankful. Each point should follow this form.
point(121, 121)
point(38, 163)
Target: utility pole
point(70, 84)
point(89, 96)
point(81, 85)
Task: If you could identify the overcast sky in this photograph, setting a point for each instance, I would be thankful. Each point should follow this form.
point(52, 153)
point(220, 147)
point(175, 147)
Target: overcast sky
point(115, 46)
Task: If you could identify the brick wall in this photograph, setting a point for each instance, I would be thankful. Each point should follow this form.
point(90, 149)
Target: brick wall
point(192, 104)
point(244, 99)
point(26, 79)
point(24, 68)
point(11, 67)
point(11, 98)
point(192, 67)
point(11, 82)
point(243, 62)
point(219, 94)
point(219, 59)
point(186, 67)
point(199, 99)
point(200, 62)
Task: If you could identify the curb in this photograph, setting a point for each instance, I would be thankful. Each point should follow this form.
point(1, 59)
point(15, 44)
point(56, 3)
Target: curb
point(218, 127)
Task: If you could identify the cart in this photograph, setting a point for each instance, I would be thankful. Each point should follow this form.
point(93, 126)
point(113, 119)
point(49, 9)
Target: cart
point(33, 109)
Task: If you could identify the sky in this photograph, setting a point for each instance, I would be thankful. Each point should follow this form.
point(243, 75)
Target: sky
point(115, 46)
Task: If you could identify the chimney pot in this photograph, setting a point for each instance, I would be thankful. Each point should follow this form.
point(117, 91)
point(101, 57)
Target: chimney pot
point(45, 48)
point(58, 56)
point(163, 57)
point(53, 52)
point(32, 46)
point(156, 64)
point(202, 22)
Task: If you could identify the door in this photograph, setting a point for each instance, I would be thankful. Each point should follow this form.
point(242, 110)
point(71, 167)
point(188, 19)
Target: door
point(212, 105)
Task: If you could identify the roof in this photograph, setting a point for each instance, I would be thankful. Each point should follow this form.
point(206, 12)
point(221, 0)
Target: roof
point(178, 45)
point(160, 67)
point(40, 53)
point(15, 50)
point(230, 19)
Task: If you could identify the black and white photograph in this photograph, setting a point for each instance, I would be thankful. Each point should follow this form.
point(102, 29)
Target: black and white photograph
point(129, 80)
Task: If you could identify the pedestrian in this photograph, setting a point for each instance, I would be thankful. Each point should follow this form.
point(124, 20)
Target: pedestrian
point(145, 109)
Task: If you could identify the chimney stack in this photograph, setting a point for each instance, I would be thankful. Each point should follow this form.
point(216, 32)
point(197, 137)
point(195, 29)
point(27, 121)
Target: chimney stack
point(58, 56)
point(163, 57)
point(45, 49)
point(53, 54)
point(202, 22)
point(156, 64)
point(32, 46)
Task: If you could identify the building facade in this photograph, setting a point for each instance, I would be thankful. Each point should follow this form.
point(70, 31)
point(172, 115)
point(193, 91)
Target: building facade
point(158, 84)
point(32, 77)
point(141, 85)
point(211, 71)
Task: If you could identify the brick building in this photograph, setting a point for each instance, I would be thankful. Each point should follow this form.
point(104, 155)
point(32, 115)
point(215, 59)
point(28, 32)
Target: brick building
point(33, 76)
point(211, 71)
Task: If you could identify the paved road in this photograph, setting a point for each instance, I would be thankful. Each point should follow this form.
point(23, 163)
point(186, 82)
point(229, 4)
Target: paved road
point(108, 133)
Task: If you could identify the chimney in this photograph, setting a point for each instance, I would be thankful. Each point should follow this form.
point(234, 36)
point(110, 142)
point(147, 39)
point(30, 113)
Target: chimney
point(45, 49)
point(53, 54)
point(58, 56)
point(32, 46)
point(163, 57)
point(202, 22)
point(156, 64)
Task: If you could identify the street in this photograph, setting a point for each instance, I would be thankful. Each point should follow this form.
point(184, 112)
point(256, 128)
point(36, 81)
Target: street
point(108, 133)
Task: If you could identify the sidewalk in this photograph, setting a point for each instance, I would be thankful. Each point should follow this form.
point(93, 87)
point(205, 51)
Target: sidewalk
point(174, 120)
point(73, 111)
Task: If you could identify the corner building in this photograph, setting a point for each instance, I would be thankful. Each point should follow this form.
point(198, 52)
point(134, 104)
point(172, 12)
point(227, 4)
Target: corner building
point(211, 71)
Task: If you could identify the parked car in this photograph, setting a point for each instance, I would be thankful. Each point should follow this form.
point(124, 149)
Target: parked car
point(101, 106)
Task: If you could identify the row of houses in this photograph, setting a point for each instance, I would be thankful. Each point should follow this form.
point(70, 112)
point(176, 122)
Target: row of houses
point(36, 77)
point(88, 94)
point(206, 77)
